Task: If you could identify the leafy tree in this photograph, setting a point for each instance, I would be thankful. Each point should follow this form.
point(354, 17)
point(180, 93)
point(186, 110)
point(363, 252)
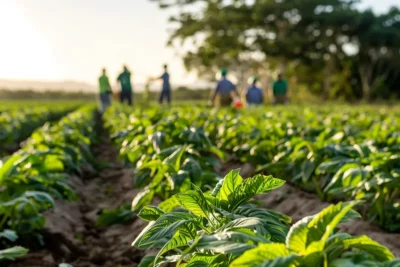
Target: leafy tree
point(331, 38)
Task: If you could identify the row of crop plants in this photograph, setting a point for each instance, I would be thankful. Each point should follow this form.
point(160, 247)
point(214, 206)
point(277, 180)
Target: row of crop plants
point(340, 155)
point(204, 220)
point(18, 123)
point(33, 176)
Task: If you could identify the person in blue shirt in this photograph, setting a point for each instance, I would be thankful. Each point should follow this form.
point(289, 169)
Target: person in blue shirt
point(225, 90)
point(126, 86)
point(166, 87)
point(254, 95)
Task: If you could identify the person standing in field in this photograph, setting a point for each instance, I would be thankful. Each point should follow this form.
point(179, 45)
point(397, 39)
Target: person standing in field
point(166, 87)
point(126, 86)
point(254, 95)
point(280, 89)
point(105, 91)
point(225, 92)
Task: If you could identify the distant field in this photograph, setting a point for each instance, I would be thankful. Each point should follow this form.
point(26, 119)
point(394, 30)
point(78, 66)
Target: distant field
point(203, 174)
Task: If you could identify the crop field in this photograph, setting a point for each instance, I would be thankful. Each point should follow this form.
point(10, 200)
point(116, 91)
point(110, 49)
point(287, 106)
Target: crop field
point(195, 186)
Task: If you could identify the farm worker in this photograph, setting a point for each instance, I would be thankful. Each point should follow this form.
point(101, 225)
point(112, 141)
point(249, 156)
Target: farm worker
point(105, 91)
point(126, 87)
point(254, 95)
point(225, 90)
point(166, 87)
point(280, 89)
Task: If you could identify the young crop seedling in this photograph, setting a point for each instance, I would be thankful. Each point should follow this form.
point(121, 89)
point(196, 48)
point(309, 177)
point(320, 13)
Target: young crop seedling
point(213, 226)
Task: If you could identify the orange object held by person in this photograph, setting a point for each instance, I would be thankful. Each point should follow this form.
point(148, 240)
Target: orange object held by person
point(237, 103)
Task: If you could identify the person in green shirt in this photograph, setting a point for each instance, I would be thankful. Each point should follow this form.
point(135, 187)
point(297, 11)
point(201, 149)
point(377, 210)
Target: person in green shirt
point(126, 86)
point(104, 91)
point(280, 89)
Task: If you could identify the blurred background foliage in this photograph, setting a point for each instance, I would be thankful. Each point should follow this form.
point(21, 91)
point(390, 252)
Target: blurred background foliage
point(328, 49)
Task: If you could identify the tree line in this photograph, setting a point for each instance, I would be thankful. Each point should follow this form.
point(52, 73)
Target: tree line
point(329, 47)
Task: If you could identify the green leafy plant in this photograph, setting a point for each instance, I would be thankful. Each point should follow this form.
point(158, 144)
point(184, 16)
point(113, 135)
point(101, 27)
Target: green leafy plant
point(314, 241)
point(13, 252)
point(39, 171)
point(214, 226)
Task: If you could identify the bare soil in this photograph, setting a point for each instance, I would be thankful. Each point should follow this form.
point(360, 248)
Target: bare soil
point(70, 233)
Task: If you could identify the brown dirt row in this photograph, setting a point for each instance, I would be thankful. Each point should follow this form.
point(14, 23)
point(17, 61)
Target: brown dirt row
point(70, 233)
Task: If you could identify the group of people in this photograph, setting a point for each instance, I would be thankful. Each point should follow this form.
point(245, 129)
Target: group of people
point(224, 94)
point(126, 93)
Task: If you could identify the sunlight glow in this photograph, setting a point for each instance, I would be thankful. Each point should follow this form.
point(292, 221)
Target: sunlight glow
point(24, 53)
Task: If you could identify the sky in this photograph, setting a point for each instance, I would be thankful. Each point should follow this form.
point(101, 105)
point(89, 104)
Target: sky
point(74, 39)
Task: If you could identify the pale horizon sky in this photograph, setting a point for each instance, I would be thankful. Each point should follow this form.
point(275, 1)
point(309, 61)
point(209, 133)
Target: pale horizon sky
point(73, 39)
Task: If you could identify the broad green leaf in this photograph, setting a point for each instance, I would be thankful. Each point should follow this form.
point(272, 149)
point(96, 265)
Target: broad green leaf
point(307, 169)
point(393, 263)
point(150, 213)
point(180, 239)
point(258, 184)
point(337, 178)
point(368, 245)
point(218, 152)
point(314, 258)
point(8, 166)
point(158, 233)
point(296, 239)
point(310, 234)
point(147, 261)
point(142, 177)
point(326, 221)
point(9, 234)
point(351, 263)
point(217, 188)
point(333, 165)
point(223, 246)
point(231, 181)
point(53, 163)
point(281, 262)
point(168, 259)
point(12, 253)
point(169, 204)
point(257, 256)
point(157, 140)
point(40, 197)
point(193, 168)
point(142, 199)
point(195, 202)
point(206, 260)
point(174, 159)
point(253, 211)
point(216, 203)
point(178, 179)
point(352, 177)
point(242, 223)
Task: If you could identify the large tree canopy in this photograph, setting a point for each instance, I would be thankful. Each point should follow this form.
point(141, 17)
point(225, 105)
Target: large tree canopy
point(346, 51)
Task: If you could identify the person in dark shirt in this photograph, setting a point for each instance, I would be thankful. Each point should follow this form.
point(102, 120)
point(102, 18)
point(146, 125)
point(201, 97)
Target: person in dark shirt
point(254, 95)
point(280, 89)
point(166, 87)
point(225, 90)
point(126, 87)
